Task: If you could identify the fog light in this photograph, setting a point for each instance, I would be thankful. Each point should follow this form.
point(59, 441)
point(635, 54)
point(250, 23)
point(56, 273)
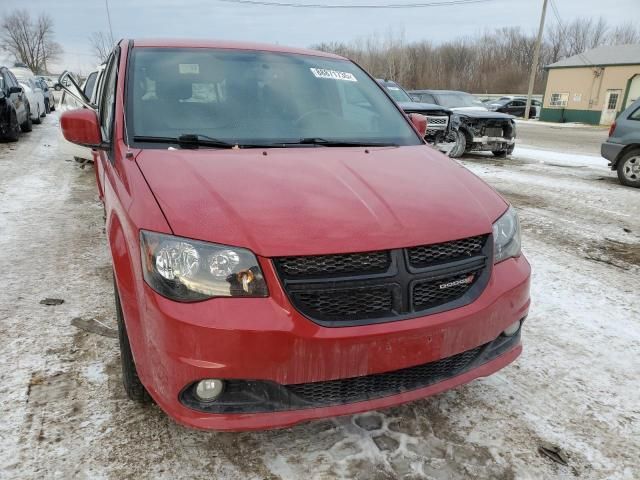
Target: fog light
point(512, 329)
point(209, 389)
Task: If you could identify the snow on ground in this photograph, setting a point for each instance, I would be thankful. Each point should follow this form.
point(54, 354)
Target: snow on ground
point(535, 121)
point(559, 159)
point(64, 414)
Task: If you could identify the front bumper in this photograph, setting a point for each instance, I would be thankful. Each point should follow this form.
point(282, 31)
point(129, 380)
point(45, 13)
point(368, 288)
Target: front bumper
point(268, 341)
point(485, 140)
point(611, 151)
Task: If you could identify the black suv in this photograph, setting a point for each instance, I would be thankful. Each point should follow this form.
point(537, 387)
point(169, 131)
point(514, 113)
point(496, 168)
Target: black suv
point(14, 107)
point(438, 118)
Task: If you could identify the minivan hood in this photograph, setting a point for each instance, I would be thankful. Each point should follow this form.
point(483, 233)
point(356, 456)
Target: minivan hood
point(319, 200)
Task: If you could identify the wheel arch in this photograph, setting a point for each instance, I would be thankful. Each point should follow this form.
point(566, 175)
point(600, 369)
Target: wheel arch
point(623, 152)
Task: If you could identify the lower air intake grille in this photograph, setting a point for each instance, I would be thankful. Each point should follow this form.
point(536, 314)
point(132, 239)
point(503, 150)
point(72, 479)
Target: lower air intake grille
point(382, 384)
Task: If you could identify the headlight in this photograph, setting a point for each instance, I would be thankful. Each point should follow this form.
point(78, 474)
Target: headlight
point(190, 270)
point(506, 236)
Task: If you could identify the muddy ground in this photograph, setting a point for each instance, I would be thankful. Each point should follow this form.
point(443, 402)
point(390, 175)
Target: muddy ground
point(63, 412)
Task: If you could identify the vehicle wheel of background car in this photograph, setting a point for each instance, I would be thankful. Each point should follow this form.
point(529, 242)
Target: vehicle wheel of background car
point(132, 384)
point(503, 153)
point(27, 125)
point(38, 118)
point(13, 133)
point(629, 169)
point(460, 146)
point(47, 108)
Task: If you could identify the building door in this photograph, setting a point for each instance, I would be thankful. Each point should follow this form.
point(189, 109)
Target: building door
point(634, 91)
point(610, 107)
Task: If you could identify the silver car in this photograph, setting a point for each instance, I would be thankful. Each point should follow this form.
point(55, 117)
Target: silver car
point(622, 148)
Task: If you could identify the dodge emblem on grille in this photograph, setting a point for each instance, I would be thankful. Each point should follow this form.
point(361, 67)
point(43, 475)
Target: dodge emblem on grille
point(463, 281)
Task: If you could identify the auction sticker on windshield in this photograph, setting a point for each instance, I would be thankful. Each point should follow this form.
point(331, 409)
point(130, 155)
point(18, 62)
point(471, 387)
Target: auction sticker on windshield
point(334, 74)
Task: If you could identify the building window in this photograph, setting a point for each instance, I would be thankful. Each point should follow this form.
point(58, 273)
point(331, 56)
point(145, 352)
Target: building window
point(613, 101)
point(559, 100)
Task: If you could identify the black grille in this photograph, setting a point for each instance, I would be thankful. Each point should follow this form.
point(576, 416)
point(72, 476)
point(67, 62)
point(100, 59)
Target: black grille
point(329, 264)
point(359, 288)
point(383, 384)
point(425, 255)
point(431, 293)
point(360, 302)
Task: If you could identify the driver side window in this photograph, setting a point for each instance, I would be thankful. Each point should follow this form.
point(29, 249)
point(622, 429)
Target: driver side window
point(107, 104)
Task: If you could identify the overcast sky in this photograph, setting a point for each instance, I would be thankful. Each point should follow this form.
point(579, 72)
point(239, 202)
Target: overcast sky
point(76, 19)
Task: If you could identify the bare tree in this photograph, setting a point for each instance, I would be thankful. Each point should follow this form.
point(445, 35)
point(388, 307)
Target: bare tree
point(30, 41)
point(101, 45)
point(624, 34)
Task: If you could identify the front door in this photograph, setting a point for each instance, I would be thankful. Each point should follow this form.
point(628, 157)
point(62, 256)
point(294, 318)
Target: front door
point(610, 107)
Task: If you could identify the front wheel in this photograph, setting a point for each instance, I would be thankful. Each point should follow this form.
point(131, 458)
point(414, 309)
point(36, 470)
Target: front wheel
point(460, 144)
point(132, 384)
point(13, 134)
point(629, 169)
point(27, 125)
point(503, 153)
point(38, 119)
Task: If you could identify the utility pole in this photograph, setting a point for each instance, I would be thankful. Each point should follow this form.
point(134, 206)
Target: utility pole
point(536, 58)
point(106, 4)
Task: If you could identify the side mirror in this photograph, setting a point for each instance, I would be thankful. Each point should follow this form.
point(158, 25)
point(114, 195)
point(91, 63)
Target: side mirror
point(81, 126)
point(419, 123)
point(15, 90)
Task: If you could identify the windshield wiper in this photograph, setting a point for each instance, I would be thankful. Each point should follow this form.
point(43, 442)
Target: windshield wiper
point(339, 143)
point(187, 141)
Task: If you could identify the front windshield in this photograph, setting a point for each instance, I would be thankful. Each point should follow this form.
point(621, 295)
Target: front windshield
point(397, 93)
point(256, 97)
point(458, 99)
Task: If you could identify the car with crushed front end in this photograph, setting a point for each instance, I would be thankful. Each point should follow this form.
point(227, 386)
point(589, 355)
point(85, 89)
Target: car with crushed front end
point(474, 127)
point(438, 118)
point(285, 245)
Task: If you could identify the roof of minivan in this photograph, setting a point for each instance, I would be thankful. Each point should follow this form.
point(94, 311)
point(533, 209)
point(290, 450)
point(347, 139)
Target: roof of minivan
point(224, 44)
point(436, 91)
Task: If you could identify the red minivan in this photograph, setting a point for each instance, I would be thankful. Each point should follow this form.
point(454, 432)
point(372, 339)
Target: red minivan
point(285, 245)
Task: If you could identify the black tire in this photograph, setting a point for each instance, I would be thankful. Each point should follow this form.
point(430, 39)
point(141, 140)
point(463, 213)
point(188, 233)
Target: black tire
point(13, 135)
point(503, 153)
point(629, 168)
point(460, 144)
point(27, 125)
point(132, 384)
point(38, 119)
point(47, 108)
point(52, 104)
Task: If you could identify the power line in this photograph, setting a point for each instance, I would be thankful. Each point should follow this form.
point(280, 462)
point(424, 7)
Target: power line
point(563, 33)
point(361, 6)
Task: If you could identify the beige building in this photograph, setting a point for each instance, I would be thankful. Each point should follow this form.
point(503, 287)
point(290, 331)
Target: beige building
point(592, 87)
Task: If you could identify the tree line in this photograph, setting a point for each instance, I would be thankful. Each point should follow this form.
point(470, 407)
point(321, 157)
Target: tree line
point(490, 62)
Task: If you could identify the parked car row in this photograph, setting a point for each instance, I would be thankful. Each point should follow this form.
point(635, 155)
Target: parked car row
point(457, 122)
point(515, 106)
point(24, 100)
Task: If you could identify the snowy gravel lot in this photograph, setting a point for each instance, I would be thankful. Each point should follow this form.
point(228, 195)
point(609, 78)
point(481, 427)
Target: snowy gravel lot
point(576, 386)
